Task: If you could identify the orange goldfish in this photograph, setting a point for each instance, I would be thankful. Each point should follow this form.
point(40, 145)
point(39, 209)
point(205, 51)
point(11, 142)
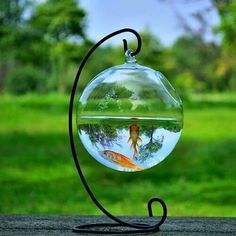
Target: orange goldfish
point(120, 159)
point(134, 137)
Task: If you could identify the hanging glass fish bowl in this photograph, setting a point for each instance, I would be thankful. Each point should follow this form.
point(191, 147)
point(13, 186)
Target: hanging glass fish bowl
point(129, 117)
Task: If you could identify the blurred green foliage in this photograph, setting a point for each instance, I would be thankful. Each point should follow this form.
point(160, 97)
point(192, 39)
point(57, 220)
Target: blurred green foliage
point(26, 79)
point(41, 46)
point(50, 36)
point(37, 174)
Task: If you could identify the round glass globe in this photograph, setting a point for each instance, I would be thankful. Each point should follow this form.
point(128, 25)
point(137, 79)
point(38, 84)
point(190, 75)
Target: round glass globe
point(129, 117)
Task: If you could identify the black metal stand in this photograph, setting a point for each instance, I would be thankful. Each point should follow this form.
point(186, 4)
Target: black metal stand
point(108, 228)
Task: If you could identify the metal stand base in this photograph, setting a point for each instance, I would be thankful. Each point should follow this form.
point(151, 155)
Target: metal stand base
point(108, 228)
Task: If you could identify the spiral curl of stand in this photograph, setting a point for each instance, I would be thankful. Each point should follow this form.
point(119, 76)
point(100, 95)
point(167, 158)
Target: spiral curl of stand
point(88, 228)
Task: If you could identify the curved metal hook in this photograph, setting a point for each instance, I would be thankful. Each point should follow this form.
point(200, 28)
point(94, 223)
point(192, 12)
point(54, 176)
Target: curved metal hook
point(126, 46)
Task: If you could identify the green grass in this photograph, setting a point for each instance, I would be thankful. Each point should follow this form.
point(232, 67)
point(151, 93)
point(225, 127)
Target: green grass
point(37, 173)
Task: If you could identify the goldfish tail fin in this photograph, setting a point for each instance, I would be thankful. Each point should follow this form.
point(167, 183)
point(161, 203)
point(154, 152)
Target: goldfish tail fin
point(131, 146)
point(135, 152)
point(139, 139)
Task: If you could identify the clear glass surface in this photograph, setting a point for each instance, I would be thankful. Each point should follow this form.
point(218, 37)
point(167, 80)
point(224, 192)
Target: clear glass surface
point(129, 117)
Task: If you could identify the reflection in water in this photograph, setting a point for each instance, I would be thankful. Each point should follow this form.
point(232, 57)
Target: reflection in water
point(108, 140)
point(148, 150)
point(105, 135)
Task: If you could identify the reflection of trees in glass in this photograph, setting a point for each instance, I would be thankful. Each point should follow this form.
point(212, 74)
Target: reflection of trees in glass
point(111, 91)
point(106, 135)
point(110, 96)
point(172, 126)
point(148, 150)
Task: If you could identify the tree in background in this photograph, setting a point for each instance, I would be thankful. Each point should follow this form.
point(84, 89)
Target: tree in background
point(11, 24)
point(198, 65)
point(197, 59)
point(46, 36)
point(61, 26)
point(227, 28)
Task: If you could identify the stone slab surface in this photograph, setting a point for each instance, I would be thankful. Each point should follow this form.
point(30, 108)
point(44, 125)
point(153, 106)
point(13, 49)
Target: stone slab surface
point(63, 224)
